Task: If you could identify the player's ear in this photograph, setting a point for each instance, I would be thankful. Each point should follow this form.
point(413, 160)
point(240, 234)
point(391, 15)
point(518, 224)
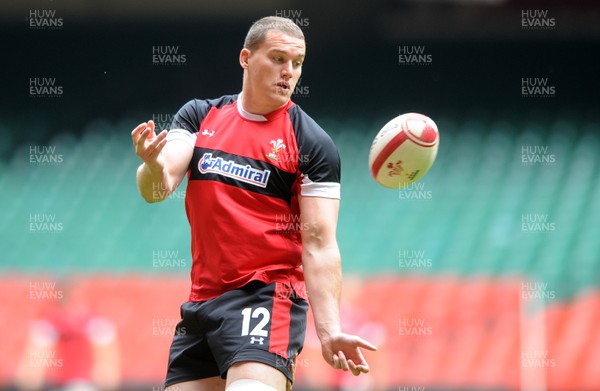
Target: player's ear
point(244, 55)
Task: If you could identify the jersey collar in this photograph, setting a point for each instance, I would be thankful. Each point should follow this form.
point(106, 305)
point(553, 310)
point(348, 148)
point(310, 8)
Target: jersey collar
point(257, 117)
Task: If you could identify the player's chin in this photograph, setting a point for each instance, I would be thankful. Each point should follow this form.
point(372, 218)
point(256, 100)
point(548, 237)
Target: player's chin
point(281, 96)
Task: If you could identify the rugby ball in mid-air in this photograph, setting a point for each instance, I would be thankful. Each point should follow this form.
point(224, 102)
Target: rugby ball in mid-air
point(404, 150)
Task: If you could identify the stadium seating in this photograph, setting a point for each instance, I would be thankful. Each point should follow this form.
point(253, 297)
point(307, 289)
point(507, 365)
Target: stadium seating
point(473, 262)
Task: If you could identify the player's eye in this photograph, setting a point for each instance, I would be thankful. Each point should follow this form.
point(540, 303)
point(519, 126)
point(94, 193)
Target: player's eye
point(297, 64)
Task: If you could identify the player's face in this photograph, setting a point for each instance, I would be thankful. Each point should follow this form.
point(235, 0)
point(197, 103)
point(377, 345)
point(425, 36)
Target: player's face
point(273, 71)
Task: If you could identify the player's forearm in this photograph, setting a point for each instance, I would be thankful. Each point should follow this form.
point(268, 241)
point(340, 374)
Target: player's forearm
point(153, 183)
point(323, 276)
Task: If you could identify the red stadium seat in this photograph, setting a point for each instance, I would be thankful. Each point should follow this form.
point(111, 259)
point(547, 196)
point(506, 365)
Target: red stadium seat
point(467, 330)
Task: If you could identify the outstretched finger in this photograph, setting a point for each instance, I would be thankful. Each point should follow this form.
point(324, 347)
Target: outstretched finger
point(361, 343)
point(135, 133)
point(159, 147)
point(160, 137)
point(141, 142)
point(151, 125)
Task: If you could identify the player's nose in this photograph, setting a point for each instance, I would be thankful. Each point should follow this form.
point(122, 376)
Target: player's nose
point(286, 70)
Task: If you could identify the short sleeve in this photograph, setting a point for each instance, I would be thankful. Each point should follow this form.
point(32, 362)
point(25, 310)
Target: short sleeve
point(319, 160)
point(190, 115)
point(186, 122)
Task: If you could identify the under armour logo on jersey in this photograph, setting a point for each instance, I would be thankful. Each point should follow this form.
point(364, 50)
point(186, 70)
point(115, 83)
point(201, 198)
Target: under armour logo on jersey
point(208, 133)
point(259, 340)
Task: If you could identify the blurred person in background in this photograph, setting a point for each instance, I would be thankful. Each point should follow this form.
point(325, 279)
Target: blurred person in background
point(69, 348)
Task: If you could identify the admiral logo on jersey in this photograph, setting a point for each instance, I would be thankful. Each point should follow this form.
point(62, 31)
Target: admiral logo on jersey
point(231, 169)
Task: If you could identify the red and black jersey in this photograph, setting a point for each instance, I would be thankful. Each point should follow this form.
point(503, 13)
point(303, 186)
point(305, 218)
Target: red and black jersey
point(244, 178)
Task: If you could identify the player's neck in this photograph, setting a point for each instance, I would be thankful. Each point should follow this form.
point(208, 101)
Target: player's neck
point(253, 106)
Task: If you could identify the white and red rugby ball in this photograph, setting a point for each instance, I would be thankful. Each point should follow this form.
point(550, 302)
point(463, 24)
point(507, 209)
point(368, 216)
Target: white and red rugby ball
point(404, 150)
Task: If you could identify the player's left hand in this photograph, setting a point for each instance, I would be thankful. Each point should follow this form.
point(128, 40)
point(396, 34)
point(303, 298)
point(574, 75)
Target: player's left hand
point(342, 351)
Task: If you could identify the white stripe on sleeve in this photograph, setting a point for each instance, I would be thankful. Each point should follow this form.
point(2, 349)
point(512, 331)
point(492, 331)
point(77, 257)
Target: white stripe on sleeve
point(183, 135)
point(319, 189)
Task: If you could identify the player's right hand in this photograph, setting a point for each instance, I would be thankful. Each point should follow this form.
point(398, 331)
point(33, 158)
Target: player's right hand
point(342, 351)
point(148, 144)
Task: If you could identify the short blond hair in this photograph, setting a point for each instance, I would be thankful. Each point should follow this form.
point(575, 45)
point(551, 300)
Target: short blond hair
point(259, 30)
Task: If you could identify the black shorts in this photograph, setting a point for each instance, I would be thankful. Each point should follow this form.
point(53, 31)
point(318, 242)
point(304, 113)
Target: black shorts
point(259, 322)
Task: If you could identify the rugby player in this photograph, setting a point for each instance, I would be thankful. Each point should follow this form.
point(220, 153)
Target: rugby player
point(262, 202)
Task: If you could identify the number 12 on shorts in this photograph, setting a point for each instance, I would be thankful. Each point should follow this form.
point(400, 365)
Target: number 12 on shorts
point(259, 329)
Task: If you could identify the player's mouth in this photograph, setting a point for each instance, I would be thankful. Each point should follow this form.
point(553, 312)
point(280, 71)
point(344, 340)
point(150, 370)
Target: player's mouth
point(283, 87)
